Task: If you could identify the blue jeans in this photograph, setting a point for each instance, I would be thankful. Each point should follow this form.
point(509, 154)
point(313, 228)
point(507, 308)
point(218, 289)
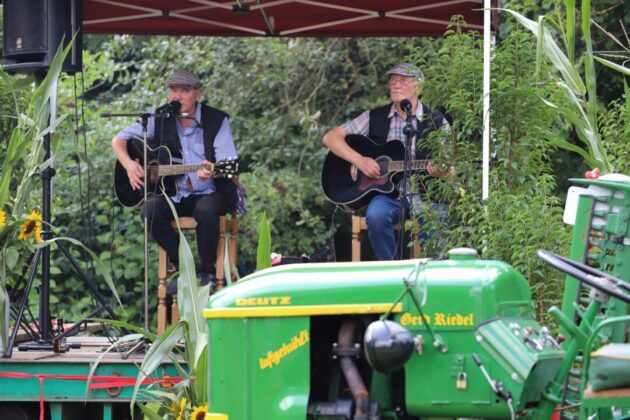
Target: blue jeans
point(382, 214)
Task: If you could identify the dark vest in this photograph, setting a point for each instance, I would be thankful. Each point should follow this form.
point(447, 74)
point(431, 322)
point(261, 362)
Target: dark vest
point(166, 131)
point(211, 121)
point(379, 127)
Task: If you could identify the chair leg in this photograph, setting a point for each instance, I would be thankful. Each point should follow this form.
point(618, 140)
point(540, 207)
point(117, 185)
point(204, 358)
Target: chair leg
point(356, 238)
point(220, 272)
point(161, 316)
point(174, 310)
point(232, 245)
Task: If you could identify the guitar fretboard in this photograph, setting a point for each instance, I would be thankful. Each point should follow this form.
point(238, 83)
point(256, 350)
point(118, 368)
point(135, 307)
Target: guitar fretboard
point(399, 165)
point(166, 170)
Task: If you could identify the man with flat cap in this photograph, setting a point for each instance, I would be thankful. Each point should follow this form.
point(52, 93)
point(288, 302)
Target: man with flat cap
point(195, 133)
point(383, 124)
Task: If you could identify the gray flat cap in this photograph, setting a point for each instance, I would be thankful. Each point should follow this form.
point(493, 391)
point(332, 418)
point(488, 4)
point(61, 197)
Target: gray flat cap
point(183, 78)
point(406, 69)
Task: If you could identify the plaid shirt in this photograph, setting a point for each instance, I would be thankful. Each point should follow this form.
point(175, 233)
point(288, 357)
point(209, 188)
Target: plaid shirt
point(361, 125)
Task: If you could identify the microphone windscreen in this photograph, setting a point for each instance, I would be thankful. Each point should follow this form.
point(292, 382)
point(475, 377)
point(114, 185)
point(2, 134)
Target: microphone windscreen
point(405, 105)
point(175, 106)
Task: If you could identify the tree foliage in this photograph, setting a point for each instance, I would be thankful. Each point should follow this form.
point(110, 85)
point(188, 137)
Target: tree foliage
point(522, 213)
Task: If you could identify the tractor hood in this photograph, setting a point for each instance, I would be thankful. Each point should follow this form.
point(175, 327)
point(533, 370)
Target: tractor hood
point(480, 289)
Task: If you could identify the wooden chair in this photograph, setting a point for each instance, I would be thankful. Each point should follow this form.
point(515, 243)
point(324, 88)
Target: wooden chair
point(228, 223)
point(359, 224)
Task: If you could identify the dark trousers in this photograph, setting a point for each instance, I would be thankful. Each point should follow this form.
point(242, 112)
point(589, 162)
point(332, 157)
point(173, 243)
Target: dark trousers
point(206, 209)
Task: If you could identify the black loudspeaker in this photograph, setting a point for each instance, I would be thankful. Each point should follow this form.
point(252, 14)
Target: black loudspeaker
point(33, 30)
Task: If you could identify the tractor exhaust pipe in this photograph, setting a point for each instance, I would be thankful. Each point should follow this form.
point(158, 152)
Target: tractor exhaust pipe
point(347, 335)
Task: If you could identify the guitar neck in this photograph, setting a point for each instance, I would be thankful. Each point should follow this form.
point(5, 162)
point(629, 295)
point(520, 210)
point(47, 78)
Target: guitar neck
point(399, 165)
point(167, 170)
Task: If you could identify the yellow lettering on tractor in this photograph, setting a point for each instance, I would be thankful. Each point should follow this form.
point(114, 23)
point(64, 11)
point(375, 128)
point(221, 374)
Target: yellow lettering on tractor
point(273, 358)
point(440, 319)
point(264, 301)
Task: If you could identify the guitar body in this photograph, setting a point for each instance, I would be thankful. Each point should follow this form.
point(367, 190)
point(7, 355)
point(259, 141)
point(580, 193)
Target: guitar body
point(160, 155)
point(345, 185)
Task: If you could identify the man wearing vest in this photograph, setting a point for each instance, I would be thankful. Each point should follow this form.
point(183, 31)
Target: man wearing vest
point(198, 134)
point(383, 124)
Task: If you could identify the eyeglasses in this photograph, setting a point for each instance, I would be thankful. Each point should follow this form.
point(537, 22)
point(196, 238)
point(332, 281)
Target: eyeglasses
point(404, 80)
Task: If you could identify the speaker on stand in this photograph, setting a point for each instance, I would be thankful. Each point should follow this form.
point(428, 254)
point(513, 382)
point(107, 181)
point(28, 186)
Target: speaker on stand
point(33, 31)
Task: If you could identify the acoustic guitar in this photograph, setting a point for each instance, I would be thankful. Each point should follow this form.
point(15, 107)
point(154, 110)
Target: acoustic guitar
point(161, 176)
point(345, 185)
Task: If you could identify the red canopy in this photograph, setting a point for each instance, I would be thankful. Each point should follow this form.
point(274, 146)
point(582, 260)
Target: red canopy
point(319, 18)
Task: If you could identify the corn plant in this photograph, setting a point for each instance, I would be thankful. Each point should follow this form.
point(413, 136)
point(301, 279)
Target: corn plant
point(20, 228)
point(581, 107)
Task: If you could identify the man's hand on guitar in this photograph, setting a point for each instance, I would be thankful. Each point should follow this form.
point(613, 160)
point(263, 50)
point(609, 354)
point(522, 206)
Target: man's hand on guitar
point(437, 171)
point(204, 173)
point(369, 167)
point(135, 172)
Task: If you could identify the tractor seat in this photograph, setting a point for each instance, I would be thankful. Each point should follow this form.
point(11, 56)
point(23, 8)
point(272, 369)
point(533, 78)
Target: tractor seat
point(610, 368)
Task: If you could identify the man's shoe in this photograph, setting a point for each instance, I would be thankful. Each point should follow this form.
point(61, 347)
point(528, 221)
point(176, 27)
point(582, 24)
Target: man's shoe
point(203, 278)
point(171, 288)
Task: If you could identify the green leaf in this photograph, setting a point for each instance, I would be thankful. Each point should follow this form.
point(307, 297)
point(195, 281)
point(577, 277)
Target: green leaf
point(553, 52)
point(97, 361)
point(621, 69)
point(148, 412)
point(11, 257)
point(161, 349)
point(570, 29)
point(100, 266)
point(190, 296)
point(263, 256)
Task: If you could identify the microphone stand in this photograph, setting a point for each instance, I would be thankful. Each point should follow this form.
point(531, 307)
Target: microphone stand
point(409, 131)
point(144, 118)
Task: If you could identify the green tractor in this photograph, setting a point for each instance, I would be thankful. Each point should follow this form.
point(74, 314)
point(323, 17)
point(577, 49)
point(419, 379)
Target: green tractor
point(430, 339)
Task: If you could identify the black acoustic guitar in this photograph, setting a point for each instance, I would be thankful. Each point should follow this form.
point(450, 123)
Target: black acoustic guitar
point(345, 185)
point(161, 171)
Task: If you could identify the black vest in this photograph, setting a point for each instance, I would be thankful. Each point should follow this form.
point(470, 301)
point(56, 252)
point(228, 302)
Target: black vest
point(211, 121)
point(166, 131)
point(380, 121)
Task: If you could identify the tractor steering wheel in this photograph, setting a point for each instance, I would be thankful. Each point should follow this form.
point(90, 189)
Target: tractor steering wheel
point(601, 281)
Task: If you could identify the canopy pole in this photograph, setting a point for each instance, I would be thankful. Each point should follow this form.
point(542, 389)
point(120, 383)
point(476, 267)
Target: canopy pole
point(485, 187)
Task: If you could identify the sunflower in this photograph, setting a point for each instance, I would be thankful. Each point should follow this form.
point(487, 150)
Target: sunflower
point(182, 408)
point(3, 219)
point(31, 227)
point(199, 413)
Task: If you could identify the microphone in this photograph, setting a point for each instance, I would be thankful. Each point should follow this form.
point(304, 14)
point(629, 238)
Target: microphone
point(173, 108)
point(405, 104)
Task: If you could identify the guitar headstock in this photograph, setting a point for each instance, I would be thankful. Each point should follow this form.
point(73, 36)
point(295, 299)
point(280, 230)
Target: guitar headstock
point(228, 166)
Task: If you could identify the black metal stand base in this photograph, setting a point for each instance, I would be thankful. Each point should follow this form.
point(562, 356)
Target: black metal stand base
point(57, 346)
point(46, 339)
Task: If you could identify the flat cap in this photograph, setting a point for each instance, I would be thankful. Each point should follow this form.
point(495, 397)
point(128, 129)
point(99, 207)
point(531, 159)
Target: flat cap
point(183, 78)
point(407, 69)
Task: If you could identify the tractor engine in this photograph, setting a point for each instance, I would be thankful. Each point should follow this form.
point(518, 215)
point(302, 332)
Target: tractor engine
point(383, 340)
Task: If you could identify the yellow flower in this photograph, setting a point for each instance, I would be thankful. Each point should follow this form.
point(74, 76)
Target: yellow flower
point(31, 227)
point(174, 408)
point(3, 219)
point(199, 413)
point(182, 408)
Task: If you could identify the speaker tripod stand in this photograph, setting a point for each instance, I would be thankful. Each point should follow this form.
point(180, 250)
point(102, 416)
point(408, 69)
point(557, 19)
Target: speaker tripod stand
point(43, 336)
